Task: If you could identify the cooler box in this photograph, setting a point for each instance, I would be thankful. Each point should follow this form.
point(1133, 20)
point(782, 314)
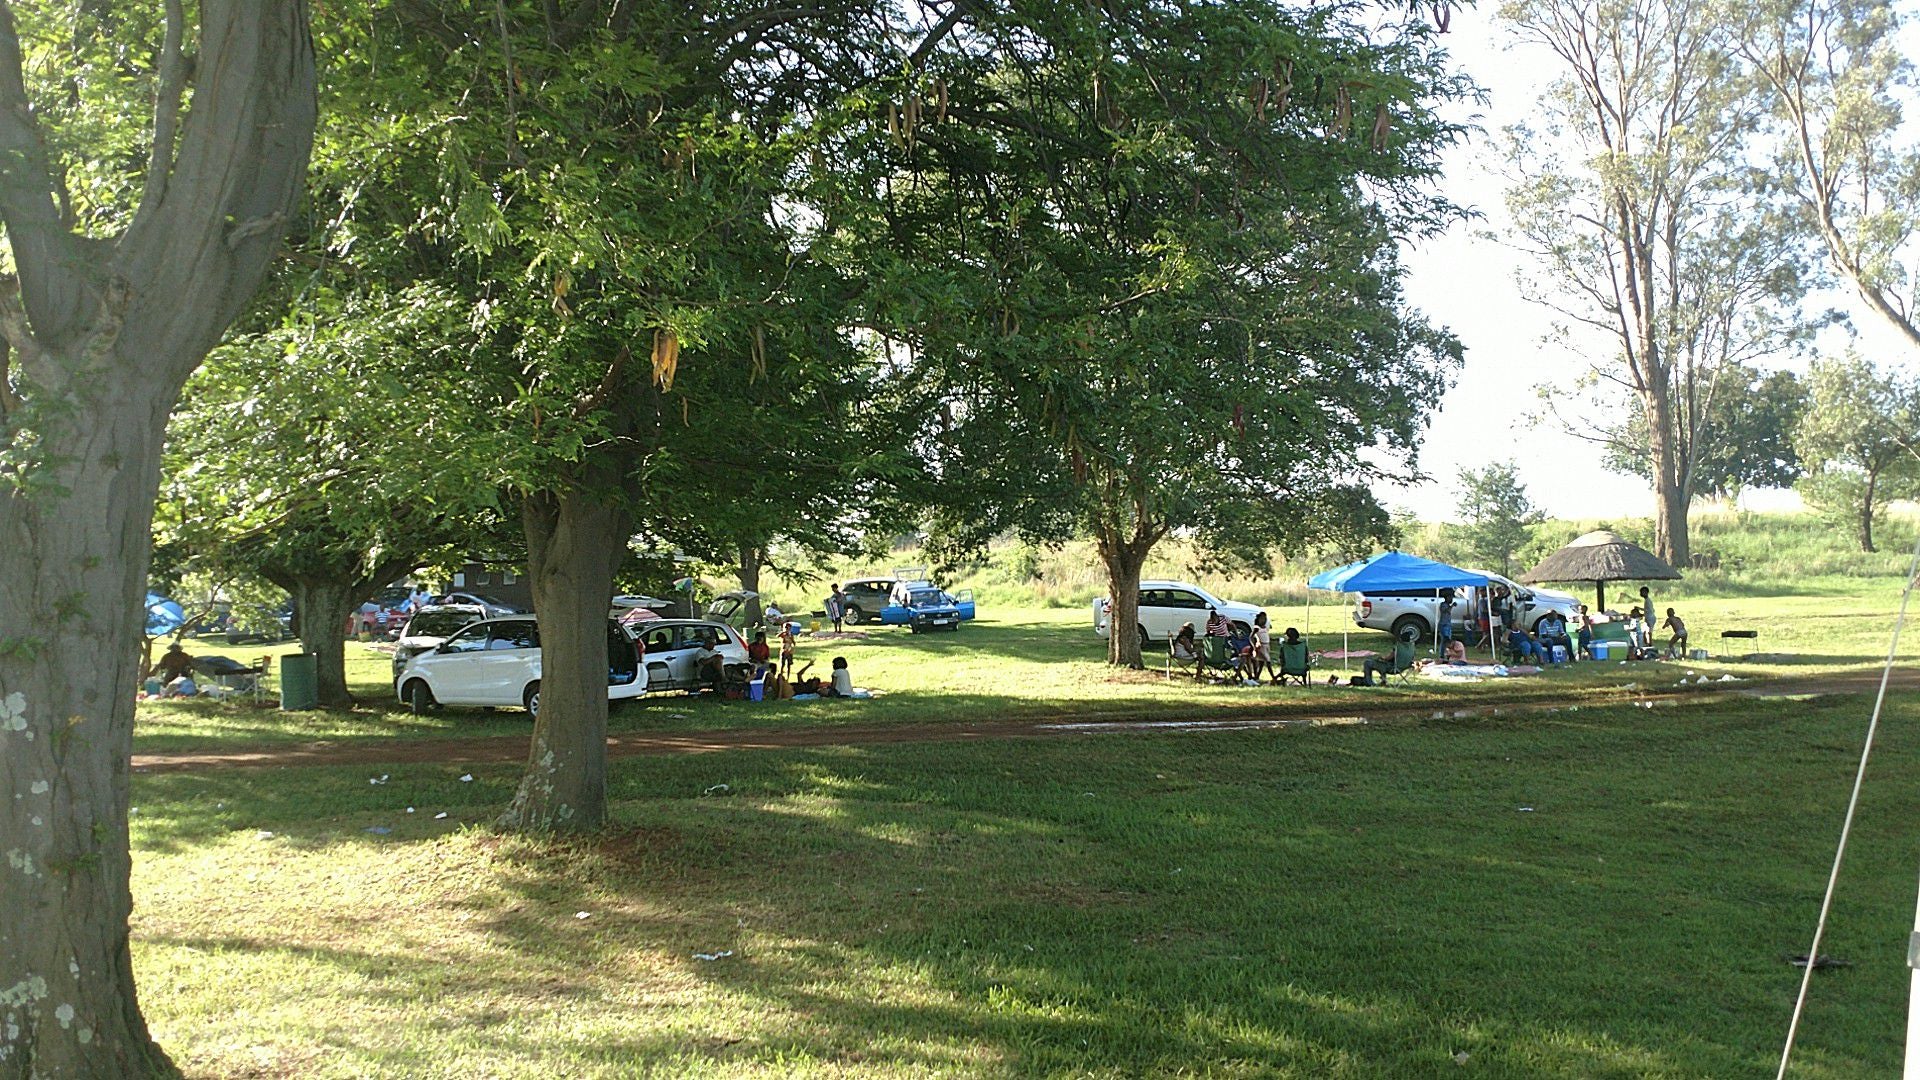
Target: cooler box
point(757, 690)
point(1559, 654)
point(1601, 650)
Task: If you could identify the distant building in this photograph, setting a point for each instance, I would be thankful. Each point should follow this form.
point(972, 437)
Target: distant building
point(487, 577)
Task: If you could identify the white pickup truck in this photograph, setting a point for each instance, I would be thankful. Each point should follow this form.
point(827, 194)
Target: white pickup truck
point(1395, 610)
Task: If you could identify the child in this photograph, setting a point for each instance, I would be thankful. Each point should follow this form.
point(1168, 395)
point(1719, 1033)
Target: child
point(786, 649)
point(1676, 648)
point(1444, 631)
point(842, 684)
point(1262, 649)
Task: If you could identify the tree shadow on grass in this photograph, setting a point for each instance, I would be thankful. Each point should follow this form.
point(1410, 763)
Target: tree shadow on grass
point(1364, 905)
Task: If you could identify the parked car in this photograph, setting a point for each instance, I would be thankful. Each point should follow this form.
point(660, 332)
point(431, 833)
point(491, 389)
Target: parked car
point(671, 645)
point(1165, 605)
point(497, 662)
point(929, 609)
point(384, 614)
point(428, 628)
point(630, 609)
point(865, 598)
point(1399, 610)
point(495, 607)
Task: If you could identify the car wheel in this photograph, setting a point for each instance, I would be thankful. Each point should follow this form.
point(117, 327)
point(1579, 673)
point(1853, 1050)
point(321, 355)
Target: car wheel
point(1242, 629)
point(419, 697)
point(1143, 639)
point(531, 699)
point(853, 615)
point(913, 627)
point(1418, 624)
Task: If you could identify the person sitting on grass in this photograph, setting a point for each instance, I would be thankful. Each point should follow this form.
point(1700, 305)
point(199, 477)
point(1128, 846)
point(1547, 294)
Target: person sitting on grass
point(1456, 652)
point(1677, 647)
point(842, 684)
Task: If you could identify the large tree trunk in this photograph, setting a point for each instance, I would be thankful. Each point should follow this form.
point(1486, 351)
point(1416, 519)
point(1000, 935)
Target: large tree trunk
point(333, 600)
point(753, 558)
point(100, 335)
point(1866, 510)
point(66, 736)
point(1123, 559)
point(1669, 485)
point(574, 543)
point(332, 603)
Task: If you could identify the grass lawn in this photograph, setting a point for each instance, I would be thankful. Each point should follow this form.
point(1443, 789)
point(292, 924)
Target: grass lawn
point(1606, 892)
point(1016, 663)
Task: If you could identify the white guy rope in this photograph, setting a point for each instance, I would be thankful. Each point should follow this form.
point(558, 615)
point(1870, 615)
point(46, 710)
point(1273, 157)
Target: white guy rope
point(1846, 826)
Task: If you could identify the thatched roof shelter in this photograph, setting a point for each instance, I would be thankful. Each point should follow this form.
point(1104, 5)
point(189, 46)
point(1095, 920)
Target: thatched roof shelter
point(1600, 557)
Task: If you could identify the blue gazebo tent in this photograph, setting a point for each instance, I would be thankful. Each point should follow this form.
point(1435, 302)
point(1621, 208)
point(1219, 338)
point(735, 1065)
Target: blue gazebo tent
point(1395, 570)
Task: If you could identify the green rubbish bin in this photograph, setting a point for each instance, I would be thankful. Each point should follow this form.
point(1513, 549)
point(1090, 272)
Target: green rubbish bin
point(300, 681)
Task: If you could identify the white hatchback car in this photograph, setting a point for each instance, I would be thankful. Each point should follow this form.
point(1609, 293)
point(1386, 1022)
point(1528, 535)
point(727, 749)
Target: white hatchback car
point(671, 646)
point(1166, 605)
point(497, 662)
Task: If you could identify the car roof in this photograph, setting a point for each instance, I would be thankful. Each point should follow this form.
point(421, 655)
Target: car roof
point(1164, 583)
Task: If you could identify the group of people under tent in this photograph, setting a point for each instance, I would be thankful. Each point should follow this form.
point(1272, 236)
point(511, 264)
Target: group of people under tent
point(1548, 643)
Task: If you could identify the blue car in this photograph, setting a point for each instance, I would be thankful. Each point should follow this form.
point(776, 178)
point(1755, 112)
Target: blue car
point(929, 609)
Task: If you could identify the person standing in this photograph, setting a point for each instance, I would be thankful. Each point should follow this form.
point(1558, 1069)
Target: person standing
point(418, 599)
point(1677, 647)
point(1263, 649)
point(786, 649)
point(1586, 631)
point(836, 606)
point(1217, 624)
point(1443, 630)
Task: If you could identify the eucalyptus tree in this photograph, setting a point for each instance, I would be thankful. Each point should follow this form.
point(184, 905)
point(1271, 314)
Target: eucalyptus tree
point(130, 252)
point(1142, 263)
point(1835, 75)
point(1654, 234)
point(332, 453)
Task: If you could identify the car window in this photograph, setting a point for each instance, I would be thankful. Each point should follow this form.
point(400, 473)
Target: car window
point(471, 639)
point(1181, 598)
point(518, 634)
point(659, 639)
point(437, 623)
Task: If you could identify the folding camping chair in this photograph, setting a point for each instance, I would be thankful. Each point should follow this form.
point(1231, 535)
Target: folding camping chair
point(1296, 663)
point(1216, 657)
point(1183, 664)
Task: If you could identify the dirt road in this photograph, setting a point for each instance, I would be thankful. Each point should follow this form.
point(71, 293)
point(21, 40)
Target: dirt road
point(1345, 708)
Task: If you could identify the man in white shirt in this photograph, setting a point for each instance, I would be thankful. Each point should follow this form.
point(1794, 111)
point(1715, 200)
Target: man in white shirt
point(420, 598)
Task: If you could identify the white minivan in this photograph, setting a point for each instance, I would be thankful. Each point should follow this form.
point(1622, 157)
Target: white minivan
point(1166, 605)
point(497, 662)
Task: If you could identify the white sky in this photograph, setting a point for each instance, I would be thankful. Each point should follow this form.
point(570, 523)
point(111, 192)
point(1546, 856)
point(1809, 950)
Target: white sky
point(1466, 283)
